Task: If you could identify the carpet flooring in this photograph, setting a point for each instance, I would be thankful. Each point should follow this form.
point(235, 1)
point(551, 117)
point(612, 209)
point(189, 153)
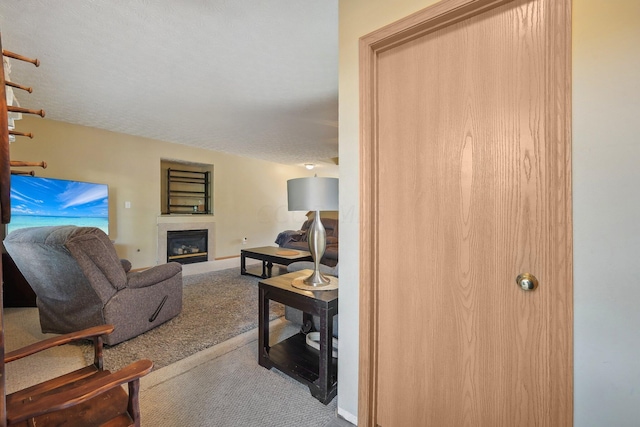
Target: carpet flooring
point(224, 386)
point(216, 307)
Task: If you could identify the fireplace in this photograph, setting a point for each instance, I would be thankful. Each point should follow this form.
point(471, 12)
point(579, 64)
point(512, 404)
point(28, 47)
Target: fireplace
point(187, 246)
point(166, 224)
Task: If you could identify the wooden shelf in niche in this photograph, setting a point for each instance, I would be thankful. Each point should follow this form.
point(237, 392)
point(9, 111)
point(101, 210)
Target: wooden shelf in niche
point(188, 192)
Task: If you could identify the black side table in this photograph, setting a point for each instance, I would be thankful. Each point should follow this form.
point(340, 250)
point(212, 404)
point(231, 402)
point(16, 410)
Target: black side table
point(315, 368)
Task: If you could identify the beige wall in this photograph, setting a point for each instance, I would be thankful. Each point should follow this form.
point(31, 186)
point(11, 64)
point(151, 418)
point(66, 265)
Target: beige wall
point(606, 94)
point(249, 194)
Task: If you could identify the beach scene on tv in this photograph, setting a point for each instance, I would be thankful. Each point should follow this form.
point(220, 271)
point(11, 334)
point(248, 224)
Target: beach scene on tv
point(37, 201)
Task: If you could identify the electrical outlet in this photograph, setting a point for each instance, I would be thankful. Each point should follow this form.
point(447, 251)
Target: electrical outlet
point(244, 240)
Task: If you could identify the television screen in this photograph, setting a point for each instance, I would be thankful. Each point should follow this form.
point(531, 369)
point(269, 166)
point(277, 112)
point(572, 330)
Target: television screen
point(37, 201)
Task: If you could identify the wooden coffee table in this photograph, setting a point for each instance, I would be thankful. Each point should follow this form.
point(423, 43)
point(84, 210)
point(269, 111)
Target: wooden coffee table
point(270, 255)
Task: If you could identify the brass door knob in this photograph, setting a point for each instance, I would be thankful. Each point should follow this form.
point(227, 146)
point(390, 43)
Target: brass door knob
point(527, 281)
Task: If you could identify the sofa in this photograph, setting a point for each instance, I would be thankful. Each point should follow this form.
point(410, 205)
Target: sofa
point(80, 282)
point(297, 239)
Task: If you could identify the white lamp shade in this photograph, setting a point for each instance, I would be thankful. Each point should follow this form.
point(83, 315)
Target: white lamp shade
point(313, 194)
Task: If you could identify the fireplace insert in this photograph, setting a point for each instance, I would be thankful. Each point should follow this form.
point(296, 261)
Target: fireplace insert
point(187, 246)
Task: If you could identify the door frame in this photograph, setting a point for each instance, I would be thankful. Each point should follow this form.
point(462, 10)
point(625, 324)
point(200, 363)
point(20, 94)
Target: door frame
point(558, 133)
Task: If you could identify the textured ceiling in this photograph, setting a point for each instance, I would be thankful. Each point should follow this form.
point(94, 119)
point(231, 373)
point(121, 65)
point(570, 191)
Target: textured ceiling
point(248, 77)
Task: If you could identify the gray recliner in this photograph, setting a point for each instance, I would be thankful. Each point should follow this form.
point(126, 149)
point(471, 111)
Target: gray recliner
point(80, 282)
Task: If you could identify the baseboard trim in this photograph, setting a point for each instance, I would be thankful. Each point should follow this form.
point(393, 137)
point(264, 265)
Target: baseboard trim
point(227, 257)
point(348, 416)
point(219, 264)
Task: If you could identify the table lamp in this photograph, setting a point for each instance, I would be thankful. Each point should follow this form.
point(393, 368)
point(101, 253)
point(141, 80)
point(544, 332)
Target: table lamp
point(314, 194)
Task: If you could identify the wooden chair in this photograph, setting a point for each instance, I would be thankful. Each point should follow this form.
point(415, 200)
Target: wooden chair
point(90, 396)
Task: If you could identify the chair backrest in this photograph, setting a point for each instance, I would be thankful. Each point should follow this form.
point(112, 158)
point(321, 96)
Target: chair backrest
point(98, 260)
point(73, 270)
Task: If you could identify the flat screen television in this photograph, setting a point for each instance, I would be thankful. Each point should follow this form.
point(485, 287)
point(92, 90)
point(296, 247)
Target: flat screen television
point(38, 201)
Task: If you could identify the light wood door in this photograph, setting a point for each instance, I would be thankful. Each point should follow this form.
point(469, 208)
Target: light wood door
point(465, 185)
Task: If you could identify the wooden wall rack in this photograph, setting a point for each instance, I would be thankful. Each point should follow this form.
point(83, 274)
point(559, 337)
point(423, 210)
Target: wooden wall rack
point(188, 192)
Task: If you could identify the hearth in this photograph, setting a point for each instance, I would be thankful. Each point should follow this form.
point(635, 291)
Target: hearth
point(187, 246)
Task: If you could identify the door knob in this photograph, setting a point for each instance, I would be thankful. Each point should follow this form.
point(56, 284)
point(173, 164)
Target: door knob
point(527, 281)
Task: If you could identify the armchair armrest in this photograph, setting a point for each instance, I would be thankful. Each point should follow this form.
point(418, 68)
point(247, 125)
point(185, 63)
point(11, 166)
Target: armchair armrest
point(151, 276)
point(287, 236)
point(126, 264)
point(39, 346)
point(80, 393)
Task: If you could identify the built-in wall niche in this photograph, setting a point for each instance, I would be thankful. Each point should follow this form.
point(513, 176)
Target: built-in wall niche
point(186, 188)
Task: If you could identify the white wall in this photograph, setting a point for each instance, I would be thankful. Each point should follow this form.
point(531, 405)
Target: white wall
point(606, 174)
point(606, 203)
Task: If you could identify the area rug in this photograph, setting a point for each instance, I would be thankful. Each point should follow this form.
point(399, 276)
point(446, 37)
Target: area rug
point(216, 306)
